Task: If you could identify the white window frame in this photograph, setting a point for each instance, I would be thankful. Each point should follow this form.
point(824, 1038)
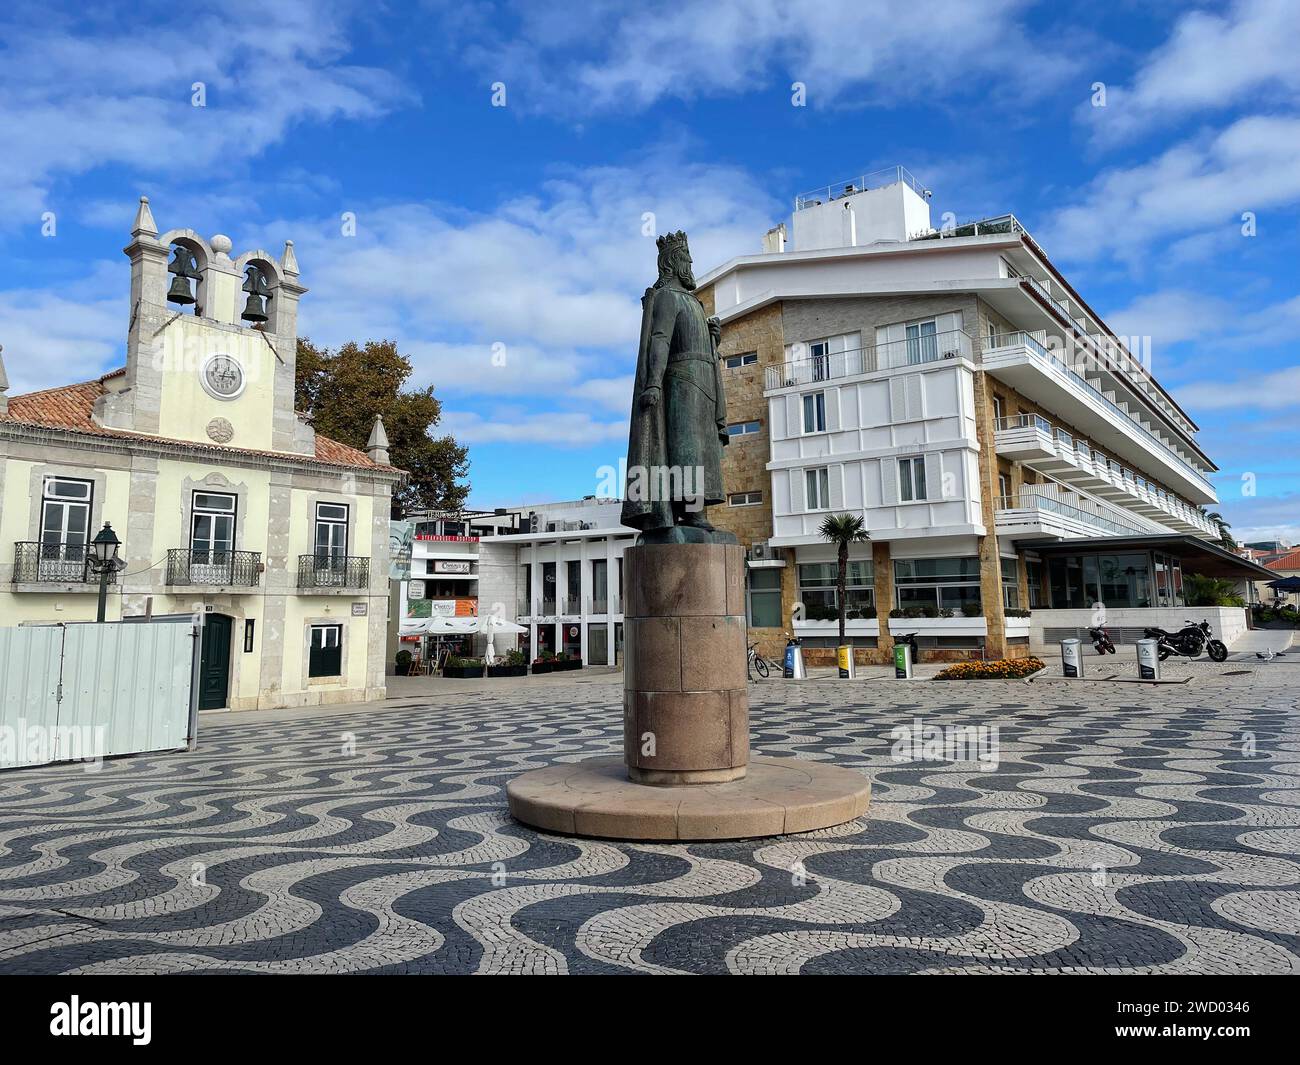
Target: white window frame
point(814, 403)
point(69, 502)
point(745, 499)
point(748, 428)
point(922, 344)
point(338, 527)
point(908, 480)
point(817, 486)
point(735, 362)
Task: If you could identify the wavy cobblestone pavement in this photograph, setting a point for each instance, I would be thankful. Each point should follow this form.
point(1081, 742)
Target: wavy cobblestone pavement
point(1150, 830)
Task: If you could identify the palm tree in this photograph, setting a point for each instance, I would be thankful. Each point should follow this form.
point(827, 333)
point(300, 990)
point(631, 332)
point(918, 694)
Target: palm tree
point(842, 530)
point(1225, 538)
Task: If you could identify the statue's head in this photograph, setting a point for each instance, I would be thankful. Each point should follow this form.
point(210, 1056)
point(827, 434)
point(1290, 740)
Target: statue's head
point(675, 260)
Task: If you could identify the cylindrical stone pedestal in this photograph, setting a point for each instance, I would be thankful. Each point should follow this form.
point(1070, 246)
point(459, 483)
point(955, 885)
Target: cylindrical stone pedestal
point(685, 706)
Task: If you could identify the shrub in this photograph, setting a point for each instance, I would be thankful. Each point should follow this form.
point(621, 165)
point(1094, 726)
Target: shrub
point(945, 612)
point(516, 658)
point(1017, 613)
point(1210, 591)
point(929, 611)
point(403, 662)
point(1000, 669)
point(456, 662)
point(972, 610)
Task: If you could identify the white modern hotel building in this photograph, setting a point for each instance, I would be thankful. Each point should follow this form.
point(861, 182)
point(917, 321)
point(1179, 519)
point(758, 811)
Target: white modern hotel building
point(1010, 455)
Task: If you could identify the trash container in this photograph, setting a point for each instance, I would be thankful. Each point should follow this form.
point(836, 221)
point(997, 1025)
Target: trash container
point(1072, 658)
point(794, 667)
point(903, 661)
point(848, 668)
point(1148, 652)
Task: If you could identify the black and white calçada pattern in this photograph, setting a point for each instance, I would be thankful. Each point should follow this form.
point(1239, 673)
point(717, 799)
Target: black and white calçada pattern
point(1123, 830)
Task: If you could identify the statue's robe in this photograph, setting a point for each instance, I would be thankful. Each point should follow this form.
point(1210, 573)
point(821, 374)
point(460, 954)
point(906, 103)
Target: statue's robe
point(684, 431)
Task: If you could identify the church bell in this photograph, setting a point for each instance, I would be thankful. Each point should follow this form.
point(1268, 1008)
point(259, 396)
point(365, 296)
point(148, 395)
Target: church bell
point(256, 287)
point(184, 268)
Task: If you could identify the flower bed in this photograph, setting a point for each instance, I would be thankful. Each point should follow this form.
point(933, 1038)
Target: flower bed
point(1001, 669)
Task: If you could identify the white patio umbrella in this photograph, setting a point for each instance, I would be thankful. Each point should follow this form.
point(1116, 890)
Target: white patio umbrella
point(492, 625)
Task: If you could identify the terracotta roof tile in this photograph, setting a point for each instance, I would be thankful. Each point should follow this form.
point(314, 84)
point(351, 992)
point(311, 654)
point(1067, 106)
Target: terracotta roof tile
point(70, 406)
point(1291, 560)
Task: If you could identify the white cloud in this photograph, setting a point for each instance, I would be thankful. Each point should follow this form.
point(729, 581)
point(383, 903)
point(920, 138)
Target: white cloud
point(550, 428)
point(1171, 316)
point(1210, 62)
point(1199, 186)
point(54, 339)
point(70, 101)
point(537, 302)
point(1277, 390)
point(635, 57)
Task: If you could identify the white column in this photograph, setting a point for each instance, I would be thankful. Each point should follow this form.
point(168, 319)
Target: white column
point(613, 595)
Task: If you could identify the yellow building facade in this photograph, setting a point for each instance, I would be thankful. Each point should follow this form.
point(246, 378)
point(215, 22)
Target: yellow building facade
point(228, 504)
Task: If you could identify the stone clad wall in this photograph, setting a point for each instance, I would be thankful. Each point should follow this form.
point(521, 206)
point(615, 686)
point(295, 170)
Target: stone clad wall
point(744, 460)
point(685, 706)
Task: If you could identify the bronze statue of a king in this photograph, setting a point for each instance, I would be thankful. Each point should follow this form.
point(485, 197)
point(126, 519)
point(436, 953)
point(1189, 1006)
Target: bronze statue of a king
point(679, 411)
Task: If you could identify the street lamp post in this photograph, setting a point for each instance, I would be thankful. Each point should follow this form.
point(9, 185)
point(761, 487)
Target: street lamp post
point(103, 560)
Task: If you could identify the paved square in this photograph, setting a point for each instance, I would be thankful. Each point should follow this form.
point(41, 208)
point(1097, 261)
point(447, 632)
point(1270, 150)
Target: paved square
point(1124, 829)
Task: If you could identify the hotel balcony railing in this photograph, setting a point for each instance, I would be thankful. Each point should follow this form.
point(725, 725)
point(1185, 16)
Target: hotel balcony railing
point(239, 569)
point(571, 604)
point(878, 179)
point(1087, 512)
point(1025, 421)
point(333, 571)
point(602, 605)
point(1028, 340)
point(1108, 468)
point(36, 563)
point(915, 351)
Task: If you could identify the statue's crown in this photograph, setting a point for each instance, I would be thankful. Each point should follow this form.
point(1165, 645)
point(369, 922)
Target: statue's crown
point(669, 241)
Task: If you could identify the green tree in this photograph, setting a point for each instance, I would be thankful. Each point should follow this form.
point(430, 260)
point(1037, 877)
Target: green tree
point(1210, 591)
point(343, 390)
point(843, 530)
point(1226, 538)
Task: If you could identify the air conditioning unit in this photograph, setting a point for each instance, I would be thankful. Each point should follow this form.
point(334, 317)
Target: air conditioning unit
point(760, 552)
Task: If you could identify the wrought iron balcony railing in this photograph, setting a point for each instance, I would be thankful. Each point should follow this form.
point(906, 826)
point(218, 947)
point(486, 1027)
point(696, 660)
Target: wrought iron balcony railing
point(228, 568)
point(333, 571)
point(36, 563)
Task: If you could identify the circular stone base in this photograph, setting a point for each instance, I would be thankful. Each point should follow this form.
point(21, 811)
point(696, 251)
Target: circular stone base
point(777, 796)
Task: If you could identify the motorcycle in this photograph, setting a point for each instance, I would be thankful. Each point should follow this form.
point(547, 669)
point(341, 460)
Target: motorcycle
point(1188, 642)
point(1101, 640)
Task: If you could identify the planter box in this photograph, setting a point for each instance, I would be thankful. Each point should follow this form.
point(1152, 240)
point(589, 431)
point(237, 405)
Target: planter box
point(507, 671)
point(573, 663)
point(462, 672)
point(543, 667)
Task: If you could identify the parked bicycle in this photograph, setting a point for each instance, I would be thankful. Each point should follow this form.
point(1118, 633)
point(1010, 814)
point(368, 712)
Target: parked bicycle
point(757, 663)
point(1188, 642)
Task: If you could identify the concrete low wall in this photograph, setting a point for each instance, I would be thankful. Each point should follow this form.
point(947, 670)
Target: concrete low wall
point(1126, 623)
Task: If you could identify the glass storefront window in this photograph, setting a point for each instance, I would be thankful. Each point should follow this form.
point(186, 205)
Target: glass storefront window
point(946, 583)
point(817, 588)
point(1079, 581)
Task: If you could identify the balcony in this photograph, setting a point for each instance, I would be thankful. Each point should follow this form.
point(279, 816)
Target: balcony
point(1025, 438)
point(1046, 510)
point(333, 571)
point(603, 605)
point(1033, 440)
point(917, 351)
point(227, 569)
point(42, 563)
point(1022, 360)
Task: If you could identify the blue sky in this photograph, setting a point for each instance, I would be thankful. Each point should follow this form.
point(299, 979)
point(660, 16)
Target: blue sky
point(502, 246)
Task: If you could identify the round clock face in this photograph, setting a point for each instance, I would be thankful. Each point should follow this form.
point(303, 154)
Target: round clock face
point(222, 377)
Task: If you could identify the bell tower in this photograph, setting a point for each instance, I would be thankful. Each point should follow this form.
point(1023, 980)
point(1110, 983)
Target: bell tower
point(211, 342)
